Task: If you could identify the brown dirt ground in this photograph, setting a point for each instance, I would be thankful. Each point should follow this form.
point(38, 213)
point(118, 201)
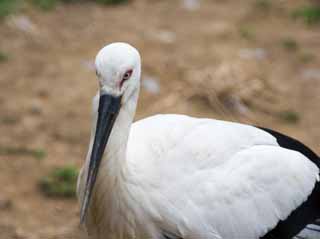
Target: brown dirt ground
point(202, 59)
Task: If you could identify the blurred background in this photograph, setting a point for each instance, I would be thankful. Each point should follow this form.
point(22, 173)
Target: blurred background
point(252, 61)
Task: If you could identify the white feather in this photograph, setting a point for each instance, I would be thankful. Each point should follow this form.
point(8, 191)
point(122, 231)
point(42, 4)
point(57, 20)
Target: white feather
point(206, 177)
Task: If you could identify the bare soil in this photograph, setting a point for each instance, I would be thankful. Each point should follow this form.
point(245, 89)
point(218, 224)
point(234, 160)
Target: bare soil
point(225, 59)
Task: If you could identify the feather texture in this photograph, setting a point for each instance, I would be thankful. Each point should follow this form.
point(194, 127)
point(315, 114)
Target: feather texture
point(202, 178)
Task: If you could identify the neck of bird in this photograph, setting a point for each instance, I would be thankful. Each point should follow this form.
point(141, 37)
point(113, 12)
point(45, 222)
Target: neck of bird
point(110, 195)
point(114, 160)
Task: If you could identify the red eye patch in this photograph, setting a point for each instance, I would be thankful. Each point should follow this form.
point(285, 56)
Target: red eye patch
point(126, 77)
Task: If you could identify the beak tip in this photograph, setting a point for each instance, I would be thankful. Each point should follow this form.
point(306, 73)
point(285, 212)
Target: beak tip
point(82, 215)
point(84, 207)
point(81, 219)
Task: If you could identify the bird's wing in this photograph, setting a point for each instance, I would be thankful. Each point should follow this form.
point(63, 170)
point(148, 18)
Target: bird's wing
point(214, 179)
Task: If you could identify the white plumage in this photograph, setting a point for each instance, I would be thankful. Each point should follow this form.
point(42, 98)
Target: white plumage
point(174, 176)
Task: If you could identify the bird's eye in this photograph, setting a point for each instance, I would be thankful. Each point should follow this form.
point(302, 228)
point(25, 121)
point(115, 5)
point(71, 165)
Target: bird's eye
point(127, 75)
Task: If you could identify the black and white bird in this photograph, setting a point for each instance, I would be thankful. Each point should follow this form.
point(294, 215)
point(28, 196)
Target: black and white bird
point(179, 177)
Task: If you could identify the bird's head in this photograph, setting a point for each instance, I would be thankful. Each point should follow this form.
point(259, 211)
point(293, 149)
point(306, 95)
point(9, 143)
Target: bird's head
point(118, 68)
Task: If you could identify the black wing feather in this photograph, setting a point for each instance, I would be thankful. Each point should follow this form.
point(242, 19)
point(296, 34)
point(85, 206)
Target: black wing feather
point(309, 211)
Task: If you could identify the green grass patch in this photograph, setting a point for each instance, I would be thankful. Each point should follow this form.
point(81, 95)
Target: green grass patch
point(289, 116)
point(247, 33)
point(61, 182)
point(45, 5)
point(3, 57)
point(38, 154)
point(71, 1)
point(112, 2)
point(51, 4)
point(306, 57)
point(264, 5)
point(290, 44)
point(9, 119)
point(8, 7)
point(309, 14)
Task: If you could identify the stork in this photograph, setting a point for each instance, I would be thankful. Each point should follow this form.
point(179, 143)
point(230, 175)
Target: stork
point(178, 177)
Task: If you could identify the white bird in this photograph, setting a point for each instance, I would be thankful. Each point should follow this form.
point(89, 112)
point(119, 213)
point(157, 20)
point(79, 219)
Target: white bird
point(178, 177)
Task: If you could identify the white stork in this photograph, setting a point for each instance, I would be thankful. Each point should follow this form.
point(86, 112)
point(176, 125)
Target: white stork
point(179, 177)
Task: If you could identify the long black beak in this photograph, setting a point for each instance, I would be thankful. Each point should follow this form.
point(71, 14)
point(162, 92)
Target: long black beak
point(108, 110)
